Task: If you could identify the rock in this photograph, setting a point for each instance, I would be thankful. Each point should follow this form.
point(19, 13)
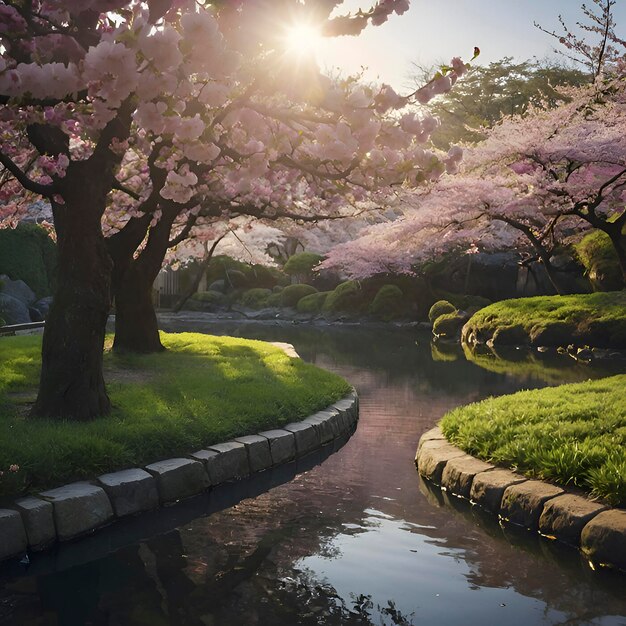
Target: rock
point(13, 311)
point(552, 334)
point(38, 518)
point(432, 458)
point(179, 478)
point(78, 509)
point(17, 289)
point(488, 488)
point(459, 472)
point(43, 305)
point(282, 445)
point(130, 491)
point(509, 336)
point(12, 534)
point(324, 426)
point(218, 285)
point(306, 436)
point(35, 314)
point(229, 463)
point(603, 539)
point(564, 517)
point(258, 449)
point(434, 434)
point(522, 504)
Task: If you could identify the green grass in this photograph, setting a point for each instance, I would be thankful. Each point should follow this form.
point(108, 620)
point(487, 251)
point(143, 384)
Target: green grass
point(203, 390)
point(597, 319)
point(572, 434)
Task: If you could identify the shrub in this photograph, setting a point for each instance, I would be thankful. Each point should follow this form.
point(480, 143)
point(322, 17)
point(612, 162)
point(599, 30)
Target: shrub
point(449, 324)
point(28, 254)
point(214, 298)
point(441, 307)
point(346, 298)
point(302, 264)
point(389, 303)
point(276, 299)
point(312, 303)
point(597, 255)
point(255, 298)
point(465, 302)
point(2, 322)
point(293, 293)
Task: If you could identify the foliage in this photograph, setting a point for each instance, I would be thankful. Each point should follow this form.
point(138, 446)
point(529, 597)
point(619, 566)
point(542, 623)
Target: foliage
point(202, 390)
point(276, 299)
point(389, 303)
point(302, 263)
point(441, 307)
point(312, 303)
point(464, 302)
point(27, 253)
point(572, 434)
point(348, 297)
point(255, 298)
point(597, 319)
point(291, 294)
point(597, 254)
point(214, 298)
point(449, 325)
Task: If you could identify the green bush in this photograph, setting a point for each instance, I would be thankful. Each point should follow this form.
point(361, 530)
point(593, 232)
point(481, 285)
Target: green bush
point(2, 322)
point(449, 324)
point(241, 275)
point(389, 303)
point(214, 298)
point(441, 307)
point(464, 302)
point(312, 303)
point(276, 299)
point(28, 254)
point(291, 295)
point(302, 264)
point(597, 255)
point(346, 298)
point(255, 298)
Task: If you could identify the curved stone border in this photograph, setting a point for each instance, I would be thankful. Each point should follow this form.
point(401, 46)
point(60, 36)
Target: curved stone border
point(35, 523)
point(598, 531)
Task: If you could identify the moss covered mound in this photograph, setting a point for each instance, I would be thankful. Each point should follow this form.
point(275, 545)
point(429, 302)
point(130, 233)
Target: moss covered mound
point(572, 434)
point(389, 303)
point(201, 391)
point(596, 319)
point(441, 307)
point(312, 303)
point(348, 298)
point(599, 258)
point(293, 293)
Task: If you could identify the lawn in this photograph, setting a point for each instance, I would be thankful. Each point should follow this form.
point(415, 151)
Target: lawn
point(572, 434)
point(596, 319)
point(203, 390)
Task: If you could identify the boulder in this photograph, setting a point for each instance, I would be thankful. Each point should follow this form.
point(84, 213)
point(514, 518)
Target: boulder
point(13, 311)
point(564, 517)
point(35, 314)
point(433, 456)
point(17, 289)
point(522, 504)
point(488, 488)
point(603, 539)
point(43, 305)
point(459, 473)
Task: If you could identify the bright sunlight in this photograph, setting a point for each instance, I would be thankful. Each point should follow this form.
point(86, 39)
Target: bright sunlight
point(303, 39)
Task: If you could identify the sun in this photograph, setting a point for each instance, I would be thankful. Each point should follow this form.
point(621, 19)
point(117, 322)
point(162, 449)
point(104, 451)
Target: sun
point(302, 39)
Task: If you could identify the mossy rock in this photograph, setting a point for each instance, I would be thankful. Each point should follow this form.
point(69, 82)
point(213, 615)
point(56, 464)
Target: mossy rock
point(389, 303)
point(291, 295)
point(597, 255)
point(510, 336)
point(552, 334)
point(255, 298)
point(302, 263)
point(465, 302)
point(312, 303)
point(441, 307)
point(449, 325)
point(346, 298)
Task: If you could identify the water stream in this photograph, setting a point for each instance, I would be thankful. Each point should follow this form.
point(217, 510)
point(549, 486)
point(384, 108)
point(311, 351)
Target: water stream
point(357, 539)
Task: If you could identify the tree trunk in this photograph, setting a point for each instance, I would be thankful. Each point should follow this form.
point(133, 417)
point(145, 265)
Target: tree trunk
point(72, 382)
point(619, 244)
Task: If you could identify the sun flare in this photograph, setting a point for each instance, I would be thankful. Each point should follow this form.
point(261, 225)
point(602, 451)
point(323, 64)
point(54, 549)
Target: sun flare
point(303, 39)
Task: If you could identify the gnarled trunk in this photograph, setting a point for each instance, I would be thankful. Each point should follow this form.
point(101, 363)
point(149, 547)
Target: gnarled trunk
point(72, 382)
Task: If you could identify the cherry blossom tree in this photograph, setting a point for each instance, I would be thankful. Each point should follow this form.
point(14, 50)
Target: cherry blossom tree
point(151, 115)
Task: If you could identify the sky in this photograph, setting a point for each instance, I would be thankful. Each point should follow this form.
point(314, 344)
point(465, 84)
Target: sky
point(434, 31)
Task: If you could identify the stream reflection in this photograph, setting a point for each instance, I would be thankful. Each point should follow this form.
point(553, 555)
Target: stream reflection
point(358, 539)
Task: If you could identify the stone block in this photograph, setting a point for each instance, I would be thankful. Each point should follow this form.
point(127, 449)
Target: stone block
point(324, 426)
point(79, 508)
point(12, 534)
point(130, 491)
point(227, 461)
point(522, 504)
point(488, 488)
point(38, 518)
point(258, 449)
point(564, 517)
point(179, 478)
point(434, 434)
point(603, 539)
point(307, 437)
point(459, 472)
point(347, 411)
point(282, 445)
point(432, 458)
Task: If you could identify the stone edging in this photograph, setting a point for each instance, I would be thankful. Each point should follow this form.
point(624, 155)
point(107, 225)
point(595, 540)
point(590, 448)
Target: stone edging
point(597, 530)
point(35, 523)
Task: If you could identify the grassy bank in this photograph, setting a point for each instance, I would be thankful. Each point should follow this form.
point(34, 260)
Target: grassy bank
point(201, 391)
point(596, 319)
point(571, 435)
